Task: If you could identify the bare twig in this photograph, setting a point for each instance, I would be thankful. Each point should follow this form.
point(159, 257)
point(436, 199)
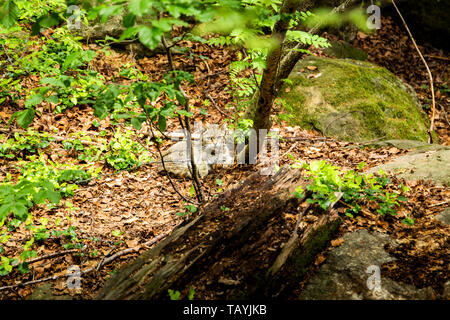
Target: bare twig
point(47, 256)
point(437, 57)
point(430, 76)
point(189, 149)
point(164, 167)
point(438, 204)
point(300, 218)
point(290, 149)
point(216, 106)
point(308, 138)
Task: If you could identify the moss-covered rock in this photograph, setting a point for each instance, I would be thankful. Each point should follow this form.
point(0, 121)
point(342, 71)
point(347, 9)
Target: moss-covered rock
point(352, 100)
point(343, 50)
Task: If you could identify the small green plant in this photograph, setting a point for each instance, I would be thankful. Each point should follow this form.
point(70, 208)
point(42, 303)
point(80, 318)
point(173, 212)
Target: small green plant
point(64, 180)
point(174, 295)
point(67, 91)
point(219, 182)
point(19, 198)
point(191, 294)
point(125, 153)
point(352, 187)
point(24, 144)
point(117, 233)
point(189, 209)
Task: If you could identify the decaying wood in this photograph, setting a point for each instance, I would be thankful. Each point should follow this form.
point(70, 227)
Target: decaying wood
point(247, 251)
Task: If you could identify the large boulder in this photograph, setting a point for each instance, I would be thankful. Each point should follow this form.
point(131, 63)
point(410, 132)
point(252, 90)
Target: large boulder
point(424, 163)
point(352, 100)
point(350, 271)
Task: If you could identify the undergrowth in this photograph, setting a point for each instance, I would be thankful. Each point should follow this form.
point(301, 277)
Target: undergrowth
point(352, 188)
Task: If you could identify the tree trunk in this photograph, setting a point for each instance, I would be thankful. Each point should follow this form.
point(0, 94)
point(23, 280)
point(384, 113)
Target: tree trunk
point(253, 249)
point(266, 94)
point(280, 62)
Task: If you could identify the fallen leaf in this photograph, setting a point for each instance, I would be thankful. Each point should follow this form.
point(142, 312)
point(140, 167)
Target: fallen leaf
point(337, 242)
point(320, 259)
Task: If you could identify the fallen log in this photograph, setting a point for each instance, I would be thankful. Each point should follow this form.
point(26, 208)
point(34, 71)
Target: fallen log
point(253, 249)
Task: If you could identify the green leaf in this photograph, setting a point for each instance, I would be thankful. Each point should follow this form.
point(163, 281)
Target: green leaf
point(53, 196)
point(128, 20)
point(180, 98)
point(361, 165)
point(140, 7)
point(20, 211)
point(100, 111)
point(137, 123)
point(23, 268)
point(52, 99)
point(25, 117)
point(162, 124)
point(149, 37)
point(9, 14)
point(70, 61)
point(49, 20)
point(164, 24)
point(191, 294)
point(105, 13)
point(174, 295)
point(34, 100)
point(5, 210)
point(40, 196)
point(129, 33)
point(408, 221)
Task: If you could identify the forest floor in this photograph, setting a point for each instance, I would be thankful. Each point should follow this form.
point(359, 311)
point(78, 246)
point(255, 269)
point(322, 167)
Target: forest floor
point(127, 209)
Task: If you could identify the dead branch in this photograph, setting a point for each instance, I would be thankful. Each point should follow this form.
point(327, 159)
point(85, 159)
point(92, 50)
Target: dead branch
point(430, 76)
point(437, 57)
point(102, 263)
point(47, 256)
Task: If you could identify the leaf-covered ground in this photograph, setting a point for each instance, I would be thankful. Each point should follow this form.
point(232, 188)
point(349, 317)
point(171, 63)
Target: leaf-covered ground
point(125, 210)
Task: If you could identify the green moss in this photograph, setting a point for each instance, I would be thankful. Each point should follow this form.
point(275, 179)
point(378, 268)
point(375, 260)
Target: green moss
point(353, 100)
point(343, 50)
point(303, 258)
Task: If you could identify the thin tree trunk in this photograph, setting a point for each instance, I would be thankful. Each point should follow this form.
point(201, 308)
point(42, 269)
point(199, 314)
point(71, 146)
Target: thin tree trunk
point(266, 95)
